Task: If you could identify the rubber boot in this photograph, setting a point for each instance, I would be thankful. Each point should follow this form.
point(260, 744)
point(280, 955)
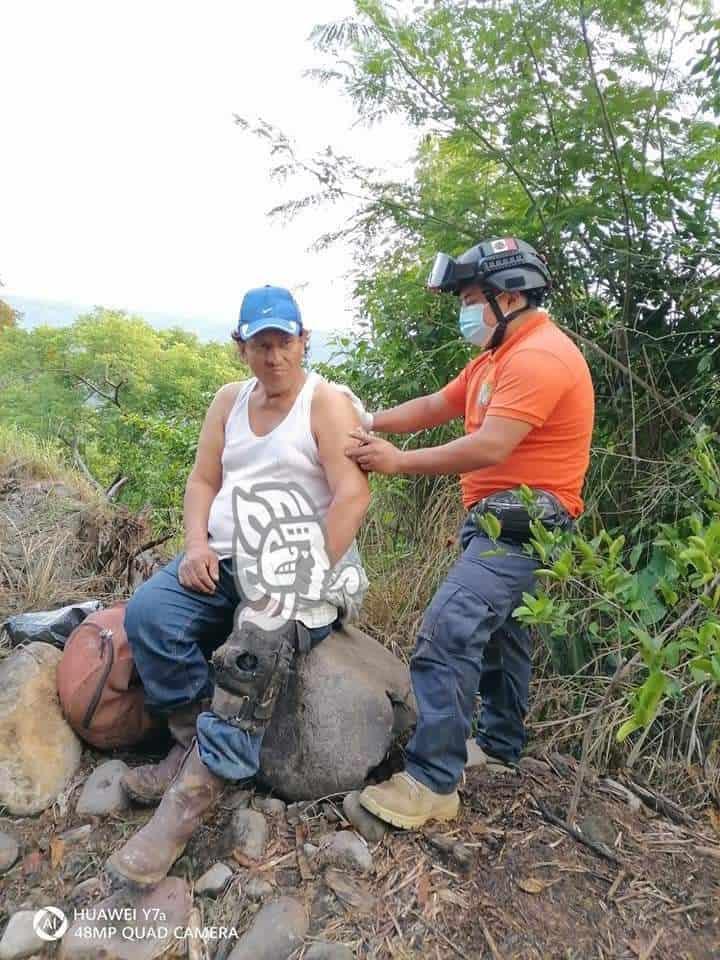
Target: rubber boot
point(148, 855)
point(148, 783)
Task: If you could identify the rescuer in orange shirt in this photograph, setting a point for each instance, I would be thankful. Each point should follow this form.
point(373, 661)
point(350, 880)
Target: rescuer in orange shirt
point(528, 404)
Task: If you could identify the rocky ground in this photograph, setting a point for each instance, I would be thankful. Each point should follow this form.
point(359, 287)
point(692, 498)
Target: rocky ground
point(272, 882)
point(632, 877)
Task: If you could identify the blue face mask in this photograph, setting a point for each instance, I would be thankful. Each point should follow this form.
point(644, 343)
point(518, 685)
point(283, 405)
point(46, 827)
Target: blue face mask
point(473, 326)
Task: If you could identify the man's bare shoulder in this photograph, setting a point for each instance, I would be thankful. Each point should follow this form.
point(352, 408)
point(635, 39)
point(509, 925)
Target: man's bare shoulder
point(329, 399)
point(227, 395)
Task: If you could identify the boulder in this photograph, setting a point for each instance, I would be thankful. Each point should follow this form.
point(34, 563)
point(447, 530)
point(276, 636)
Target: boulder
point(39, 753)
point(346, 702)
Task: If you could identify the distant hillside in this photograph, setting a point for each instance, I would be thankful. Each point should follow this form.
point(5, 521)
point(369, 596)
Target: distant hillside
point(56, 313)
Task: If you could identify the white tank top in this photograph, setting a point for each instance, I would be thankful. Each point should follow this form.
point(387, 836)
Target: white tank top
point(287, 454)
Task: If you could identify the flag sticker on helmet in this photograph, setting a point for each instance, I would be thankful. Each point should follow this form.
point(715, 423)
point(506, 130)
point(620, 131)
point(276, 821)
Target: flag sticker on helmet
point(500, 246)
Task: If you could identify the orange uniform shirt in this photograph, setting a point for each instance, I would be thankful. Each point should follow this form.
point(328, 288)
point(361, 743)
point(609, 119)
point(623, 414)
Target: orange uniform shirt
point(538, 376)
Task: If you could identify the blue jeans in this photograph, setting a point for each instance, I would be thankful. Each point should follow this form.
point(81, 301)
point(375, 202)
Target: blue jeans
point(172, 632)
point(469, 643)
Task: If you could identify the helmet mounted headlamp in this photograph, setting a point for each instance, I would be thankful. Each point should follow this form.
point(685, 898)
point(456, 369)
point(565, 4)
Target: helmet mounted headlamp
point(505, 264)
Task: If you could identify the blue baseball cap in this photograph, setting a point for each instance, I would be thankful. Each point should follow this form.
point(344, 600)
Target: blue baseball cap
point(268, 308)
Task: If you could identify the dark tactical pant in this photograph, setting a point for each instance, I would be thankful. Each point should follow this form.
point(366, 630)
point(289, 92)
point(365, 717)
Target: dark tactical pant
point(469, 643)
point(173, 632)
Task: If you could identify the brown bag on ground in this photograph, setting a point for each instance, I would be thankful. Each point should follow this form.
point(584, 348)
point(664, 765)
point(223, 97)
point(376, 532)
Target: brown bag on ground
point(99, 688)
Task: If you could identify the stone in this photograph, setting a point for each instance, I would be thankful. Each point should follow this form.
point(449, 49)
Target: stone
point(349, 891)
point(325, 906)
point(276, 932)
point(367, 825)
point(257, 889)
point(295, 812)
point(329, 951)
point(154, 915)
point(330, 813)
point(103, 793)
point(273, 806)
point(249, 834)
point(533, 765)
point(39, 753)
point(77, 835)
point(215, 880)
point(356, 699)
point(19, 939)
point(9, 851)
point(347, 851)
point(599, 829)
point(94, 888)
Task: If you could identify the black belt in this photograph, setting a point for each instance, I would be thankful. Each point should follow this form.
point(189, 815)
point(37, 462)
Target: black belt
point(508, 507)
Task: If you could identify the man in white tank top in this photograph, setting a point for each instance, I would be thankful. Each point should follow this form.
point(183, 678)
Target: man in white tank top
point(285, 428)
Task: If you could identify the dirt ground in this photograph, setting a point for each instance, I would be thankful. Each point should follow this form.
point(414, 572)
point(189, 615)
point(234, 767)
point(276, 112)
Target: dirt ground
point(505, 882)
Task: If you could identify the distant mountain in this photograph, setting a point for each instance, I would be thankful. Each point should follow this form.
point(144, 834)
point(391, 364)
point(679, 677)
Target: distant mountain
point(56, 313)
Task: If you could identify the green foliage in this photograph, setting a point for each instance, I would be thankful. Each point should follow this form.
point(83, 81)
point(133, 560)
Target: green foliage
point(123, 398)
point(584, 129)
point(8, 316)
point(587, 130)
point(661, 597)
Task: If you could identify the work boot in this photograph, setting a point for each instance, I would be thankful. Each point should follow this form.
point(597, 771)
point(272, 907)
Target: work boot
point(477, 757)
point(148, 783)
point(148, 855)
point(405, 802)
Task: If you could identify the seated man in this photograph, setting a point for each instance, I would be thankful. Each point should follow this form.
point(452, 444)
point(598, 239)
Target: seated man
point(275, 442)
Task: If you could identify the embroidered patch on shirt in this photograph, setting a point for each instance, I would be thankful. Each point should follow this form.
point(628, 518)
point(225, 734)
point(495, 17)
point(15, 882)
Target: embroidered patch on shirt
point(485, 394)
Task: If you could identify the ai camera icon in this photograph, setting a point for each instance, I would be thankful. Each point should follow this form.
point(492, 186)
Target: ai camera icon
point(50, 923)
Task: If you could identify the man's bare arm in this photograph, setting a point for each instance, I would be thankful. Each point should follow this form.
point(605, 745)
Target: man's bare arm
point(199, 569)
point(419, 414)
point(333, 417)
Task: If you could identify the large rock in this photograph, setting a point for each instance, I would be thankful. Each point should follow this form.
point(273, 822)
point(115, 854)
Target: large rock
point(39, 753)
point(276, 932)
point(346, 702)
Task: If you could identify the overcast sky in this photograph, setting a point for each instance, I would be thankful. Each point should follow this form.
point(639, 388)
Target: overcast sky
point(123, 179)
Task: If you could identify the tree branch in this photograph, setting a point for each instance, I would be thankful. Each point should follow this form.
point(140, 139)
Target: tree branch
point(662, 401)
point(79, 462)
point(609, 134)
point(495, 151)
point(113, 397)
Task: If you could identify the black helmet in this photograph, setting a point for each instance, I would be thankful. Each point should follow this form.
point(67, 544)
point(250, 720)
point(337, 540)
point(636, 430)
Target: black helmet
point(504, 265)
point(507, 265)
